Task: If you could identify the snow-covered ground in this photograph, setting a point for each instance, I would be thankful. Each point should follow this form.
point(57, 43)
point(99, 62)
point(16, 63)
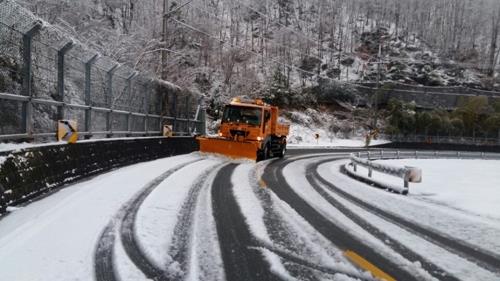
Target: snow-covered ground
point(477, 230)
point(469, 185)
point(8, 146)
point(54, 238)
point(305, 136)
point(463, 226)
point(304, 127)
point(295, 176)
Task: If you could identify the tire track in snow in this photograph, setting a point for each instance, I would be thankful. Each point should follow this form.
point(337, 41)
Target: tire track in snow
point(280, 233)
point(125, 218)
point(273, 176)
point(437, 272)
point(461, 248)
point(179, 249)
point(242, 260)
point(104, 256)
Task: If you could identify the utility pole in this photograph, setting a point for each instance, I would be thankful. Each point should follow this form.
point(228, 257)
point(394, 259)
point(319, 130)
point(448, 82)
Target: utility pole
point(164, 53)
point(375, 119)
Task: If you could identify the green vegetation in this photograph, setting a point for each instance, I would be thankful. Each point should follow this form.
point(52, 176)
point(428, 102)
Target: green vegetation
point(474, 117)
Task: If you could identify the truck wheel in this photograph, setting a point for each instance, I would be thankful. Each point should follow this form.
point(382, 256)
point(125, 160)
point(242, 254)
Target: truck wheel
point(263, 154)
point(266, 153)
point(282, 152)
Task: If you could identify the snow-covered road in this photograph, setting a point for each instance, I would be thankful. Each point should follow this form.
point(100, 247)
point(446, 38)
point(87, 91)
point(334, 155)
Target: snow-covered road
point(199, 217)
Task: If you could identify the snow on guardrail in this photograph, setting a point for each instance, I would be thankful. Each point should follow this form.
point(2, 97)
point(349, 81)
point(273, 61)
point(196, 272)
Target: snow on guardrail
point(408, 174)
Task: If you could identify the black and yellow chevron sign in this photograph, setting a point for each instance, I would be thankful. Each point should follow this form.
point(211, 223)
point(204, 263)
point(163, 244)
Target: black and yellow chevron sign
point(66, 130)
point(167, 130)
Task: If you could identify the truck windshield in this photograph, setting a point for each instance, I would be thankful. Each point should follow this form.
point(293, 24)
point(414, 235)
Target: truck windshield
point(242, 114)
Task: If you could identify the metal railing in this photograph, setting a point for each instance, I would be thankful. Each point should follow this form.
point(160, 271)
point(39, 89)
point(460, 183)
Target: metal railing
point(488, 141)
point(46, 76)
point(408, 174)
point(426, 154)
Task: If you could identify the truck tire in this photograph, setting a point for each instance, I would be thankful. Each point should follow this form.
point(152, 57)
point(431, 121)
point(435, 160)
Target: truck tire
point(282, 152)
point(263, 154)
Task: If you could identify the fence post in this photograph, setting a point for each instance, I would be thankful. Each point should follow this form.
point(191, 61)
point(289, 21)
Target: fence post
point(27, 109)
point(60, 77)
point(197, 116)
point(129, 93)
point(187, 113)
point(3, 201)
point(203, 127)
point(109, 100)
point(88, 98)
point(174, 110)
point(147, 96)
point(397, 153)
point(162, 111)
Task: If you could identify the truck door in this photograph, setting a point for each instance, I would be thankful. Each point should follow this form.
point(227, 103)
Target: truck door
point(267, 118)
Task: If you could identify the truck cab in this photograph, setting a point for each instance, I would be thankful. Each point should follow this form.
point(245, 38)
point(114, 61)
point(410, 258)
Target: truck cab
point(255, 121)
point(249, 127)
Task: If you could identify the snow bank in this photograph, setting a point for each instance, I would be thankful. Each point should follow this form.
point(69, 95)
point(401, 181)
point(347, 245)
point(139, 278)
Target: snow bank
point(18, 146)
point(8, 146)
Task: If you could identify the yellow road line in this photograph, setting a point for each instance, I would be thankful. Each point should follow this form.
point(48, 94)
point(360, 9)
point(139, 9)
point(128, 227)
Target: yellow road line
point(366, 265)
point(262, 183)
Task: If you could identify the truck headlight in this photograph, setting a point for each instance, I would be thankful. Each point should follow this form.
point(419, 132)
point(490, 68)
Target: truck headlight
point(259, 138)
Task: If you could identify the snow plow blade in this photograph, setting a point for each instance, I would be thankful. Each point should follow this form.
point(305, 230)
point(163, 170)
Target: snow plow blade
point(229, 148)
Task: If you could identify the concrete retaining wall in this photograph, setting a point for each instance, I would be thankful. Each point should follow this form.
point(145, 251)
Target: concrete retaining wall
point(28, 173)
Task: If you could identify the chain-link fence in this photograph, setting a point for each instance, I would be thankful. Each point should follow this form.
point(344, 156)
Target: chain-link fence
point(46, 76)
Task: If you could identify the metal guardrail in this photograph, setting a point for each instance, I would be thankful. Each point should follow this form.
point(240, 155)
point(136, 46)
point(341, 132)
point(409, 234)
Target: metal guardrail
point(46, 76)
point(426, 154)
point(488, 141)
point(408, 174)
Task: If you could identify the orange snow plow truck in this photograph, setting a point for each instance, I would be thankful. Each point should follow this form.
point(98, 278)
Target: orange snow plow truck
point(249, 129)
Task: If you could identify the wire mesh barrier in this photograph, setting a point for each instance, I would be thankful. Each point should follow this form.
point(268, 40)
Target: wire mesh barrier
point(46, 76)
